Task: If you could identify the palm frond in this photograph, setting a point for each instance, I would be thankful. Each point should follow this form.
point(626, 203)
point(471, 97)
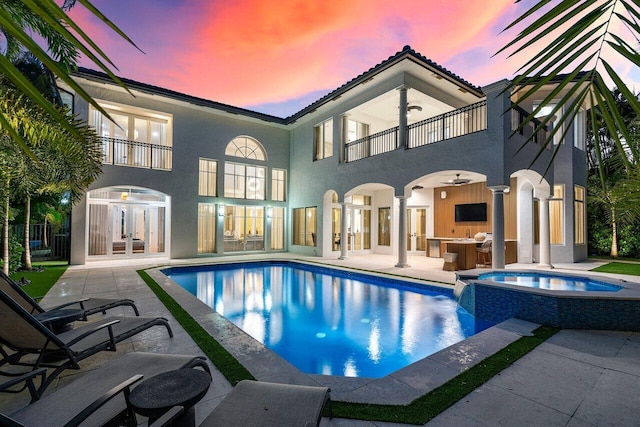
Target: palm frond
point(591, 37)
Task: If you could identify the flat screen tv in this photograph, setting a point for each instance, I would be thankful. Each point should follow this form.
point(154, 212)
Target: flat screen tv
point(471, 212)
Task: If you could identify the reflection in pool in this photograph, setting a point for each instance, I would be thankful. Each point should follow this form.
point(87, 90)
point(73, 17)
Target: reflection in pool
point(329, 322)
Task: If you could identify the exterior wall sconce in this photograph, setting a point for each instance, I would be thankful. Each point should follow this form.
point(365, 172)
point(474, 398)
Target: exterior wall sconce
point(443, 194)
point(269, 211)
point(124, 195)
point(220, 210)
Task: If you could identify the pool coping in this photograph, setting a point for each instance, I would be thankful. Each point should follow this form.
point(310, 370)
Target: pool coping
point(398, 388)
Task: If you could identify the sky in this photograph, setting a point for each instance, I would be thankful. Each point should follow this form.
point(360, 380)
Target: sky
point(279, 56)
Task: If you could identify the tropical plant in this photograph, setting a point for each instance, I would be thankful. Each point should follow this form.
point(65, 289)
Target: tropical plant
point(73, 159)
point(576, 42)
point(22, 24)
point(612, 186)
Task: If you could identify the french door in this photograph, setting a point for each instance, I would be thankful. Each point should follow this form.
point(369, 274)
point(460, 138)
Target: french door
point(126, 230)
point(359, 229)
point(416, 230)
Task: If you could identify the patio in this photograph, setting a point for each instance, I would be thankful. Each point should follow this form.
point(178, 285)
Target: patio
point(583, 377)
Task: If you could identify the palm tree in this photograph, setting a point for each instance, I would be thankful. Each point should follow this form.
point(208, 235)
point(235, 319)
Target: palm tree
point(22, 24)
point(587, 33)
point(73, 159)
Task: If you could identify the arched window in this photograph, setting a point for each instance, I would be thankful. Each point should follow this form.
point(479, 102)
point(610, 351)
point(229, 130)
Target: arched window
point(245, 147)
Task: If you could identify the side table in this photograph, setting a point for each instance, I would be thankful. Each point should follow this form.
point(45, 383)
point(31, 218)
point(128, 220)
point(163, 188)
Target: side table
point(181, 387)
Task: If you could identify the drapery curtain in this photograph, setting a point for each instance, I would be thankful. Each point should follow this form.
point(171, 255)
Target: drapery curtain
point(98, 229)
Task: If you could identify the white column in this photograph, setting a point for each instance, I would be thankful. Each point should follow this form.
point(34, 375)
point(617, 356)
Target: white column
point(545, 234)
point(343, 231)
point(344, 137)
point(402, 232)
point(497, 227)
point(402, 121)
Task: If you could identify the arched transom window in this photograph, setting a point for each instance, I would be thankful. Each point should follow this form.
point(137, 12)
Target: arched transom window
point(245, 147)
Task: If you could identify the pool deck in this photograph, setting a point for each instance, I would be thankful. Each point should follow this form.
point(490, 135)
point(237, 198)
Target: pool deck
point(576, 378)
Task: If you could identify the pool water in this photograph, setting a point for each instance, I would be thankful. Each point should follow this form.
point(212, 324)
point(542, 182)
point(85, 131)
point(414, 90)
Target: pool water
point(329, 322)
point(551, 282)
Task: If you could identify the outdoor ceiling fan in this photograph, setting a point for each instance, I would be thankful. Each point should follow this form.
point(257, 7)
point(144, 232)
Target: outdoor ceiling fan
point(457, 181)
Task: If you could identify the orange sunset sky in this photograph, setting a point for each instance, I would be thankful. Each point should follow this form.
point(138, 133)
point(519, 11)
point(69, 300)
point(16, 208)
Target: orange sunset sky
point(278, 56)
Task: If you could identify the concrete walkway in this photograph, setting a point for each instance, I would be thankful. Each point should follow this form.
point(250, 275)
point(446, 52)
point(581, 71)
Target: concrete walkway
point(576, 378)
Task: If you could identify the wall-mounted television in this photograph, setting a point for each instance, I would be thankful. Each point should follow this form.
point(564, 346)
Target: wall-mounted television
point(471, 212)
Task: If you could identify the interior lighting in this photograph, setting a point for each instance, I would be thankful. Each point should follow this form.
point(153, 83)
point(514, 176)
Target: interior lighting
point(220, 210)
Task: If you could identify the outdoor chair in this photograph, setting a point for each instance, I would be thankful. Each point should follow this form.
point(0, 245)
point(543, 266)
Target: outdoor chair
point(24, 335)
point(99, 396)
point(483, 254)
point(263, 404)
point(88, 306)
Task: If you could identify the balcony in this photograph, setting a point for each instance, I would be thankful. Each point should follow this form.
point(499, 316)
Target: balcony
point(463, 121)
point(121, 152)
point(532, 130)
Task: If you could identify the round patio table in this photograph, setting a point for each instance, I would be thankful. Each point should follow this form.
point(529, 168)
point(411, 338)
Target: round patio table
point(181, 387)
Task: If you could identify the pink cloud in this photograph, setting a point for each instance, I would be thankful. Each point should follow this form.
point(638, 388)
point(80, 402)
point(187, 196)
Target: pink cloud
point(250, 52)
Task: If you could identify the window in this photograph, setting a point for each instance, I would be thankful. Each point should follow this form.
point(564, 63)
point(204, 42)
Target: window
point(578, 215)
point(277, 228)
point(244, 181)
point(135, 137)
point(304, 226)
point(556, 212)
point(579, 133)
point(336, 214)
point(358, 199)
point(207, 217)
point(356, 130)
point(323, 140)
point(243, 228)
point(384, 227)
point(207, 182)
point(545, 111)
point(278, 185)
point(245, 147)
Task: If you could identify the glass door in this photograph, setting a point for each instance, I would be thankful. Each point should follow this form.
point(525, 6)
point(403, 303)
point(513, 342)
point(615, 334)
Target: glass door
point(129, 233)
point(359, 230)
point(416, 230)
point(127, 221)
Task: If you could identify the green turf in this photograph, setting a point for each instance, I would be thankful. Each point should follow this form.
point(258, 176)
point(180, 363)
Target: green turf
point(419, 411)
point(632, 269)
point(41, 281)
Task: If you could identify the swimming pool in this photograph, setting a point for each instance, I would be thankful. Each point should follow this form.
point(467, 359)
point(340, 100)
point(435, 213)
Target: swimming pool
point(331, 322)
point(551, 282)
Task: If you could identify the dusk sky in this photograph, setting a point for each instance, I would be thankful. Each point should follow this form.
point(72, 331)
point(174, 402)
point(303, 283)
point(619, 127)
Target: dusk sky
point(278, 56)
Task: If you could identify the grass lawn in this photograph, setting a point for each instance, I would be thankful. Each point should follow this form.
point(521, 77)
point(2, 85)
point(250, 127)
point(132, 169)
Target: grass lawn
point(41, 281)
point(620, 268)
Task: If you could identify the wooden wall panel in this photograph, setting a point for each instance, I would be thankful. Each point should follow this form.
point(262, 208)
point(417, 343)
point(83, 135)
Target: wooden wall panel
point(444, 211)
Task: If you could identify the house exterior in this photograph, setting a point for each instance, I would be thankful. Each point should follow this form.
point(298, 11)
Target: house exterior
point(393, 162)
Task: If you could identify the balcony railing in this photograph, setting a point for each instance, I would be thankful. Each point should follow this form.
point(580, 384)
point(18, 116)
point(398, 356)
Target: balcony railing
point(372, 145)
point(121, 152)
point(463, 121)
point(518, 115)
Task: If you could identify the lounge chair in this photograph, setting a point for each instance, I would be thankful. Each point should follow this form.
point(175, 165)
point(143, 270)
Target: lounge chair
point(24, 335)
point(263, 404)
point(88, 306)
point(99, 395)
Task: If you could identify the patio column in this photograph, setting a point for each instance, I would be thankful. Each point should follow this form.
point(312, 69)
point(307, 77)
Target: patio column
point(344, 137)
point(402, 118)
point(402, 232)
point(344, 239)
point(497, 227)
point(545, 234)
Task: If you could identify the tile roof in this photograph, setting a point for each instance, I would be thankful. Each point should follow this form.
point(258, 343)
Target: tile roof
point(406, 53)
